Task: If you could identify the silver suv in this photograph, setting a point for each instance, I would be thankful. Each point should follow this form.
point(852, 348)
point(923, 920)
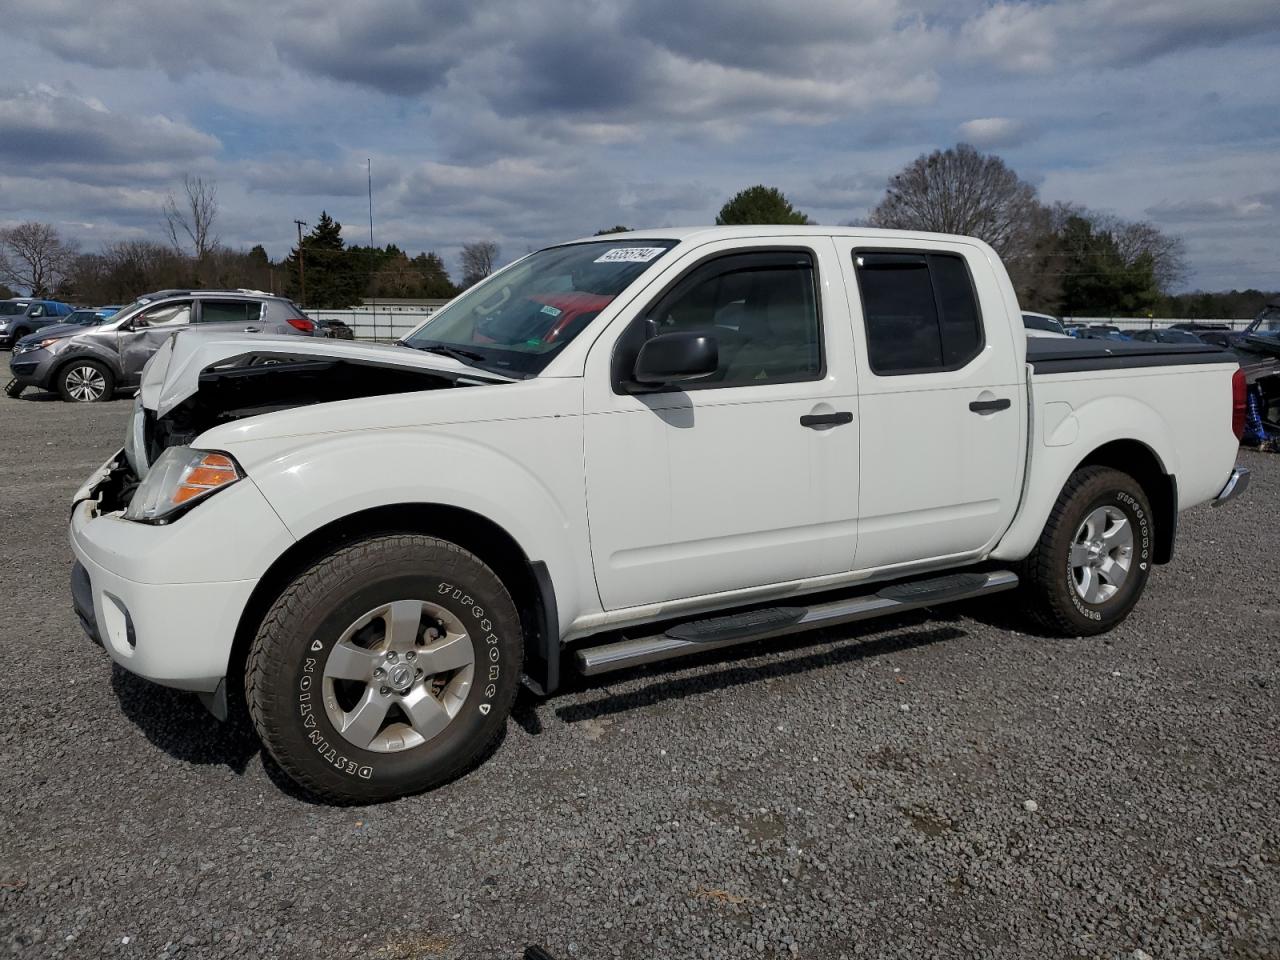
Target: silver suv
point(85, 363)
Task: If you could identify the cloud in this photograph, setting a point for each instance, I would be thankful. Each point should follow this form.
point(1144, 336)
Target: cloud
point(1041, 37)
point(61, 130)
point(988, 132)
point(1217, 209)
point(530, 122)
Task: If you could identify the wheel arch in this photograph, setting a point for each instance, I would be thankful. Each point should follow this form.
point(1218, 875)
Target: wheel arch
point(80, 355)
point(1161, 487)
point(528, 581)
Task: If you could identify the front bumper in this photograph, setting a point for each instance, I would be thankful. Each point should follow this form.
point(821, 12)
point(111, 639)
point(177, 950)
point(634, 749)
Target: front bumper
point(32, 368)
point(1237, 485)
point(165, 601)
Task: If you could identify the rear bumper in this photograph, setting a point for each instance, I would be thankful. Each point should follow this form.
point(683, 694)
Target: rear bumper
point(1237, 485)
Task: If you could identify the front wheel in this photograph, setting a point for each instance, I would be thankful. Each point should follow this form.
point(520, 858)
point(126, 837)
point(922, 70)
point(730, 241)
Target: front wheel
point(386, 668)
point(1090, 566)
point(86, 381)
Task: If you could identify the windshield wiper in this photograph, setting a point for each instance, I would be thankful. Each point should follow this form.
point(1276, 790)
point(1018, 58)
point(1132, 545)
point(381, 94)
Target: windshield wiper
point(469, 357)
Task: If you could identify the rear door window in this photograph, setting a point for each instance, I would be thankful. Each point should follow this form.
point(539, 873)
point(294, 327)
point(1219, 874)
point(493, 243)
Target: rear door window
point(230, 311)
point(920, 311)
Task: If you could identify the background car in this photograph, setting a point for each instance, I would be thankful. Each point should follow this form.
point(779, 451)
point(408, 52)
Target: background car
point(1166, 336)
point(1042, 323)
point(88, 362)
point(23, 315)
point(334, 330)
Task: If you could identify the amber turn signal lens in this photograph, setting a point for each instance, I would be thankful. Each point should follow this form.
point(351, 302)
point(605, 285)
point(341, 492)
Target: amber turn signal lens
point(212, 471)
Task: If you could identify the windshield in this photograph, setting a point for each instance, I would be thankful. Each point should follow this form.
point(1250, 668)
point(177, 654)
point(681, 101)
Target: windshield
point(519, 319)
point(85, 318)
point(10, 309)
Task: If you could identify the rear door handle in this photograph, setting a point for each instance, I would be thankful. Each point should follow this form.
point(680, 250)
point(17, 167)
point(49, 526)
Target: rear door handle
point(990, 406)
point(826, 419)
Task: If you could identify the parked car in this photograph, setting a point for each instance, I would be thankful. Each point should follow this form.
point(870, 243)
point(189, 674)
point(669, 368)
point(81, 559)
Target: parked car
point(335, 330)
point(1101, 331)
point(89, 362)
point(1168, 335)
point(644, 446)
point(23, 315)
point(1037, 323)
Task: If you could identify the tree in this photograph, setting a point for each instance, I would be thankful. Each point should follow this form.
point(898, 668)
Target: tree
point(332, 275)
point(962, 191)
point(1097, 278)
point(615, 229)
point(34, 256)
point(6, 293)
point(478, 260)
point(760, 204)
point(189, 221)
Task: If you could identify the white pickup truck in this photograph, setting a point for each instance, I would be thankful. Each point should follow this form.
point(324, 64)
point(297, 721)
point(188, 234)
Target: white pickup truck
point(626, 448)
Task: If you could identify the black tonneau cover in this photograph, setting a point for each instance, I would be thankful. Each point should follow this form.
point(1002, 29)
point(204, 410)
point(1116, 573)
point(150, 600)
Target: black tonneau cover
point(1052, 355)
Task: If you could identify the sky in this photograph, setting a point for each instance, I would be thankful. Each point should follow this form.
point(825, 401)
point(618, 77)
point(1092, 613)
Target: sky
point(538, 121)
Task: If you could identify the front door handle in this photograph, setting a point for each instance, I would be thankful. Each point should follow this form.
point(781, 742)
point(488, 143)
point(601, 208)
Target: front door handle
point(816, 420)
point(252, 329)
point(990, 406)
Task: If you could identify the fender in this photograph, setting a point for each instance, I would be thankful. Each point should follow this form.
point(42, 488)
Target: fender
point(1070, 442)
point(324, 478)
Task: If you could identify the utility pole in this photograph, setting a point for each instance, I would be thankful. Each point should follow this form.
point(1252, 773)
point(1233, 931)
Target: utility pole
point(373, 303)
point(302, 272)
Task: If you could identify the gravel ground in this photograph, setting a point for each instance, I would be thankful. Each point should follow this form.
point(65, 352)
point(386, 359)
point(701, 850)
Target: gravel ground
point(930, 786)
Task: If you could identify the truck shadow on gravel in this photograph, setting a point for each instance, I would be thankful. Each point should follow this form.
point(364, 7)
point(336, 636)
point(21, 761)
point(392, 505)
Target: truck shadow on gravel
point(177, 723)
point(901, 633)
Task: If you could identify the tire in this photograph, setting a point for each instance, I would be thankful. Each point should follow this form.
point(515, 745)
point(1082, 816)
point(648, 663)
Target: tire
point(1069, 588)
point(13, 389)
point(302, 695)
point(86, 381)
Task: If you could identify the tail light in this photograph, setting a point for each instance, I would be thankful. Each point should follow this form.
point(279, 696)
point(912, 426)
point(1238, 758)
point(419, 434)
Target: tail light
point(1239, 403)
point(305, 325)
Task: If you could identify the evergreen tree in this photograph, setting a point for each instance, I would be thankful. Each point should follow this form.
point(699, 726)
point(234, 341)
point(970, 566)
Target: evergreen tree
point(760, 204)
point(332, 281)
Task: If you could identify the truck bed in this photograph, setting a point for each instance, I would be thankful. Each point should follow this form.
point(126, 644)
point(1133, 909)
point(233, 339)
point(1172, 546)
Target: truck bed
point(1050, 355)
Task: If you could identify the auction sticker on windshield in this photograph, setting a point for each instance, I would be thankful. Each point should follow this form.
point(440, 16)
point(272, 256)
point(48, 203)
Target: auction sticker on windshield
point(630, 254)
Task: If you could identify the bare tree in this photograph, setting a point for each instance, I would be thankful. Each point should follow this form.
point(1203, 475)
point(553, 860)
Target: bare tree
point(33, 255)
point(478, 260)
point(962, 191)
point(189, 221)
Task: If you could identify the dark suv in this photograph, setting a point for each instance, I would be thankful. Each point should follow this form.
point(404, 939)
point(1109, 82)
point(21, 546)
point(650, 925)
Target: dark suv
point(23, 315)
point(89, 362)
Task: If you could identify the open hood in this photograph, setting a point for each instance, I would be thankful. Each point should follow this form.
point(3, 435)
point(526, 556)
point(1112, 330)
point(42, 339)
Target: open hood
point(192, 358)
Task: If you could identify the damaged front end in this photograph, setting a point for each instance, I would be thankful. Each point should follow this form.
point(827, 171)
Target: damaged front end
point(196, 383)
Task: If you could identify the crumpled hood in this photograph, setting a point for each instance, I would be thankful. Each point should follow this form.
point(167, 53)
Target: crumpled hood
point(173, 374)
point(58, 330)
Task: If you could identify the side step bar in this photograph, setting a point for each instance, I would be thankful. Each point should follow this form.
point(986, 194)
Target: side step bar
point(698, 635)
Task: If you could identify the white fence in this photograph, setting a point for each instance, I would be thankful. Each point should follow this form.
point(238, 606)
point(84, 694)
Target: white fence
point(367, 324)
point(1144, 323)
point(392, 324)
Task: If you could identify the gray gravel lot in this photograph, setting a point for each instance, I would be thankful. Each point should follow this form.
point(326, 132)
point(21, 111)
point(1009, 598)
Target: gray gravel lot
point(931, 786)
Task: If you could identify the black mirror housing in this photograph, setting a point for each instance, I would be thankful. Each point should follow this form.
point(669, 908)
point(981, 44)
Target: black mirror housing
point(676, 357)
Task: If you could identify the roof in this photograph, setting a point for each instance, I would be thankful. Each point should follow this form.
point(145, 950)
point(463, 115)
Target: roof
point(199, 292)
point(711, 233)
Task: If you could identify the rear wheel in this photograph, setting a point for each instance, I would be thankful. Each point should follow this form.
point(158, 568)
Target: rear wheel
point(386, 668)
point(86, 381)
point(1092, 561)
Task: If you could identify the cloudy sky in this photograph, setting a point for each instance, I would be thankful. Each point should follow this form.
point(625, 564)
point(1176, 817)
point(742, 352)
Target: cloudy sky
point(534, 121)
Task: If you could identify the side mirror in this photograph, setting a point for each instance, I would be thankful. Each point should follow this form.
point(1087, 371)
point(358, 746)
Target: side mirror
point(675, 357)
